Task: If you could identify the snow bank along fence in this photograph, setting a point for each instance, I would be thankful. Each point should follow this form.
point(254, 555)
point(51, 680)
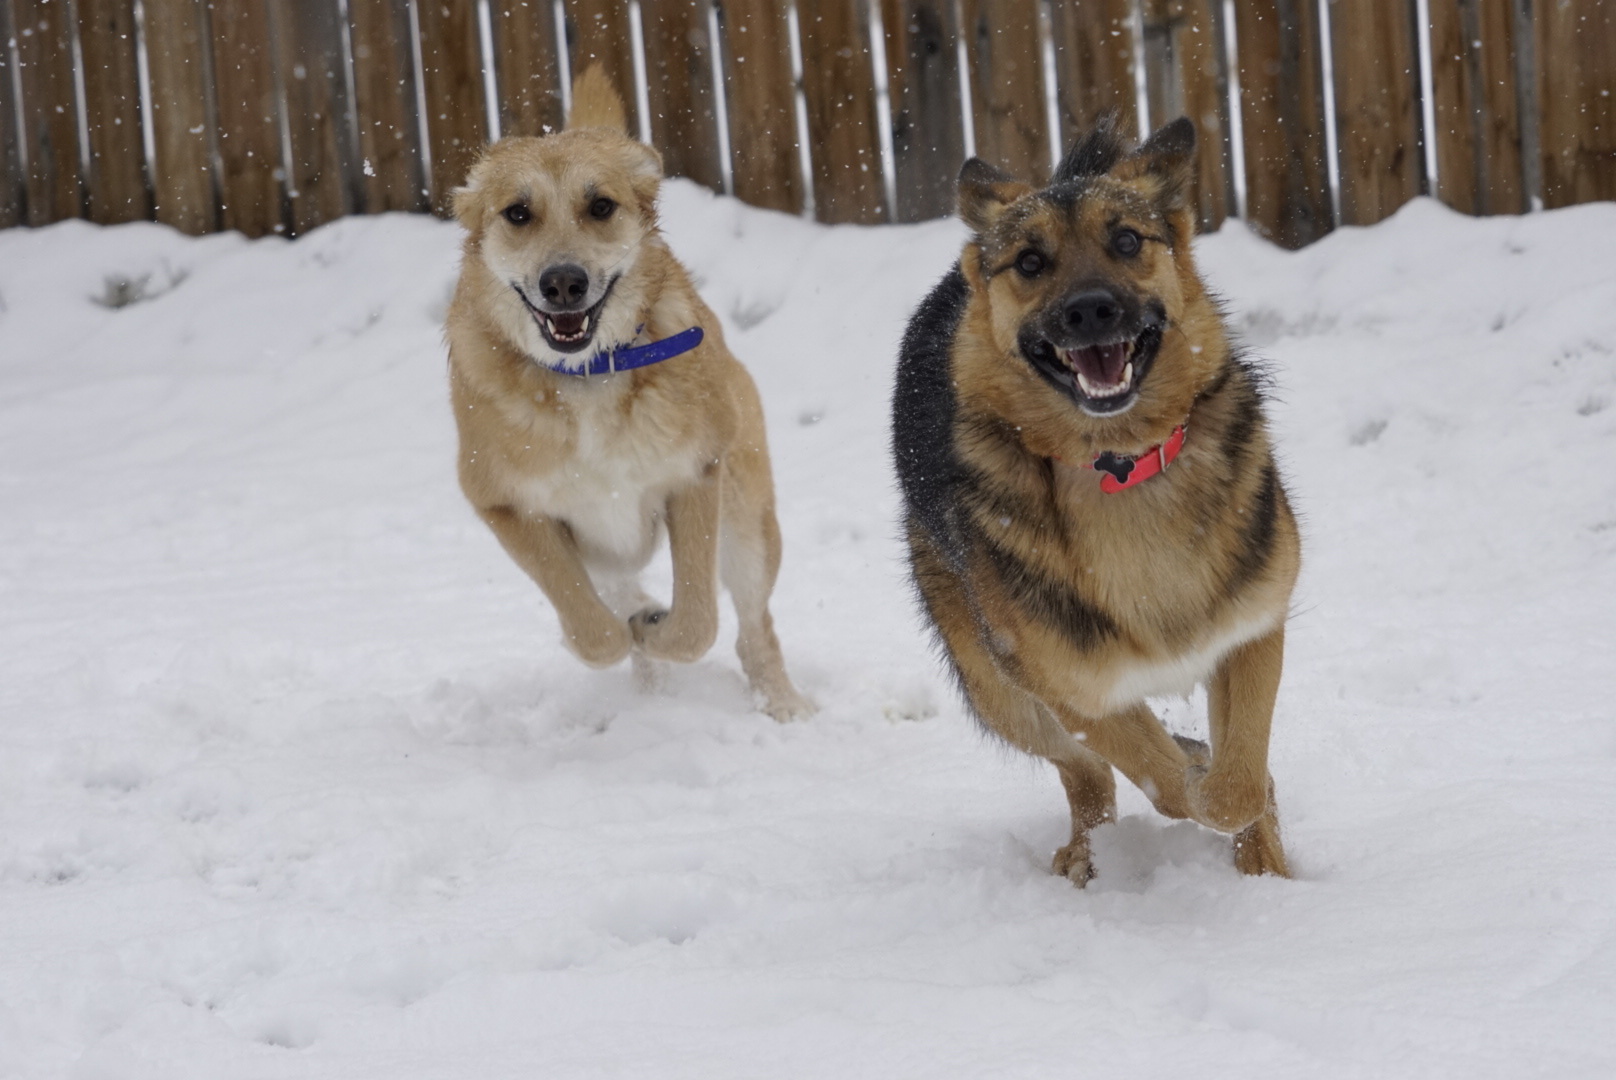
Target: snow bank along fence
point(273, 116)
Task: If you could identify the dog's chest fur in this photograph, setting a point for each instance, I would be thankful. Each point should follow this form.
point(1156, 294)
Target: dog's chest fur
point(606, 469)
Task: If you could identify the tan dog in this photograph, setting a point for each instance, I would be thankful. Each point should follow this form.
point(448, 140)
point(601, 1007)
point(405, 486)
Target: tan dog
point(1094, 513)
point(578, 474)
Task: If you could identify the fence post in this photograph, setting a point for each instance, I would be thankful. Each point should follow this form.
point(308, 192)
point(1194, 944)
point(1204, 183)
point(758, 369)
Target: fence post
point(250, 191)
point(452, 70)
point(679, 88)
point(529, 78)
point(319, 180)
point(392, 176)
point(182, 124)
point(117, 174)
point(762, 102)
point(1094, 56)
point(928, 139)
point(1478, 135)
point(1376, 107)
point(839, 84)
point(50, 121)
point(1282, 110)
point(1183, 66)
point(1576, 70)
point(12, 208)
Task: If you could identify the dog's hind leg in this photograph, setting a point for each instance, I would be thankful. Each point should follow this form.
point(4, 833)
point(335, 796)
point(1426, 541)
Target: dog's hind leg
point(1235, 793)
point(748, 563)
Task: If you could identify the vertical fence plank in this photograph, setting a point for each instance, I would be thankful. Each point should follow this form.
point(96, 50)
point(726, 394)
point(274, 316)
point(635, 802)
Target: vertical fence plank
point(525, 63)
point(1007, 89)
point(13, 211)
point(1478, 134)
point(679, 88)
point(598, 33)
point(452, 69)
point(1094, 65)
point(391, 172)
point(1282, 110)
point(117, 174)
point(308, 36)
point(250, 195)
point(839, 83)
point(1576, 66)
point(1376, 106)
point(182, 174)
point(50, 122)
point(762, 104)
point(928, 139)
point(1183, 63)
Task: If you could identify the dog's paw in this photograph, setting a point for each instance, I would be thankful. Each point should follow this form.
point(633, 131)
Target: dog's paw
point(1223, 801)
point(787, 704)
point(601, 644)
point(1073, 862)
point(1257, 849)
point(665, 636)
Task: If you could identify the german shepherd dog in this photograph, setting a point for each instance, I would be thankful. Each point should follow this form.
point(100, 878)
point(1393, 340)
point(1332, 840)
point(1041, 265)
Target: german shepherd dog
point(1093, 513)
point(598, 406)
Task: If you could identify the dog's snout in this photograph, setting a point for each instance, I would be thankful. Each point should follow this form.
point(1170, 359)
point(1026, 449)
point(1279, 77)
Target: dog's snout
point(1093, 311)
point(564, 286)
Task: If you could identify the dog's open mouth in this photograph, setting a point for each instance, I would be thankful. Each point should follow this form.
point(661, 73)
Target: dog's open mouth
point(568, 331)
point(1102, 379)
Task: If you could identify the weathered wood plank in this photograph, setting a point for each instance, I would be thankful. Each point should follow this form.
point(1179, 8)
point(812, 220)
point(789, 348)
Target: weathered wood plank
point(1376, 107)
point(392, 176)
point(452, 68)
point(598, 33)
point(250, 192)
point(320, 180)
point(928, 135)
point(1478, 132)
point(13, 210)
point(1282, 111)
point(116, 181)
point(839, 84)
point(1576, 92)
point(182, 172)
point(525, 63)
point(50, 134)
point(762, 104)
point(1008, 115)
point(679, 88)
point(1184, 68)
point(1094, 59)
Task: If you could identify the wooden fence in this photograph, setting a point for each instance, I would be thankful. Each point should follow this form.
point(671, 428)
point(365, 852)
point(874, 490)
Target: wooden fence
point(273, 116)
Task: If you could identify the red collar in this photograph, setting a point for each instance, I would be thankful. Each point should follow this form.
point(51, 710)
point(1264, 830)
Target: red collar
point(1123, 472)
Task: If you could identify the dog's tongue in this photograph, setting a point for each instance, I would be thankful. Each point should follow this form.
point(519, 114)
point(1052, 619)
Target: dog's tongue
point(1101, 364)
point(569, 323)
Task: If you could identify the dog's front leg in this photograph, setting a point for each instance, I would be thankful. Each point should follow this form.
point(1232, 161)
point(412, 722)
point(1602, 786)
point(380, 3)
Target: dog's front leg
point(544, 547)
point(1234, 793)
point(687, 629)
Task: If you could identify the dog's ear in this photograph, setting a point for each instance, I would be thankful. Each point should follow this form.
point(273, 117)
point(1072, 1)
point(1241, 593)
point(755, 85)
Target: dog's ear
point(645, 176)
point(984, 192)
point(468, 198)
point(1095, 154)
point(1164, 164)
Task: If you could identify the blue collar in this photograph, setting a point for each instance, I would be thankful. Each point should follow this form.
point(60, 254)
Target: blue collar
point(629, 357)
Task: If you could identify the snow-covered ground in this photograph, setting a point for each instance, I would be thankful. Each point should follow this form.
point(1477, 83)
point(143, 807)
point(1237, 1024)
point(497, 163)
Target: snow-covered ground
point(296, 780)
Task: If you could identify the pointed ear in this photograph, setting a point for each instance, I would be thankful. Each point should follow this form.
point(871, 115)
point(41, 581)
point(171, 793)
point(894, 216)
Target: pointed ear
point(1096, 154)
point(984, 192)
point(468, 199)
point(1168, 159)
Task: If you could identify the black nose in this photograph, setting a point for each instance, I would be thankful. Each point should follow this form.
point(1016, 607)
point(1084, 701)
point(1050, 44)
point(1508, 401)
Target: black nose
point(564, 286)
point(1093, 312)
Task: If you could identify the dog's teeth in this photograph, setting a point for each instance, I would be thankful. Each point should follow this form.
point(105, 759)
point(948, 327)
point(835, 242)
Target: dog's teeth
point(584, 329)
point(1127, 373)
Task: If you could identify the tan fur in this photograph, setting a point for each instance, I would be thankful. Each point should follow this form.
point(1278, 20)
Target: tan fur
point(579, 476)
point(1166, 564)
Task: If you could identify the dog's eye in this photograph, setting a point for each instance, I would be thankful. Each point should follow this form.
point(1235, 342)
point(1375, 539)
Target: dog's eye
point(1126, 242)
point(1030, 263)
point(601, 208)
point(517, 213)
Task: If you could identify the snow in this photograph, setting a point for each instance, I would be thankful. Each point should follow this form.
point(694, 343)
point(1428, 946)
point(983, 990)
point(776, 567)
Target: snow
point(296, 779)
